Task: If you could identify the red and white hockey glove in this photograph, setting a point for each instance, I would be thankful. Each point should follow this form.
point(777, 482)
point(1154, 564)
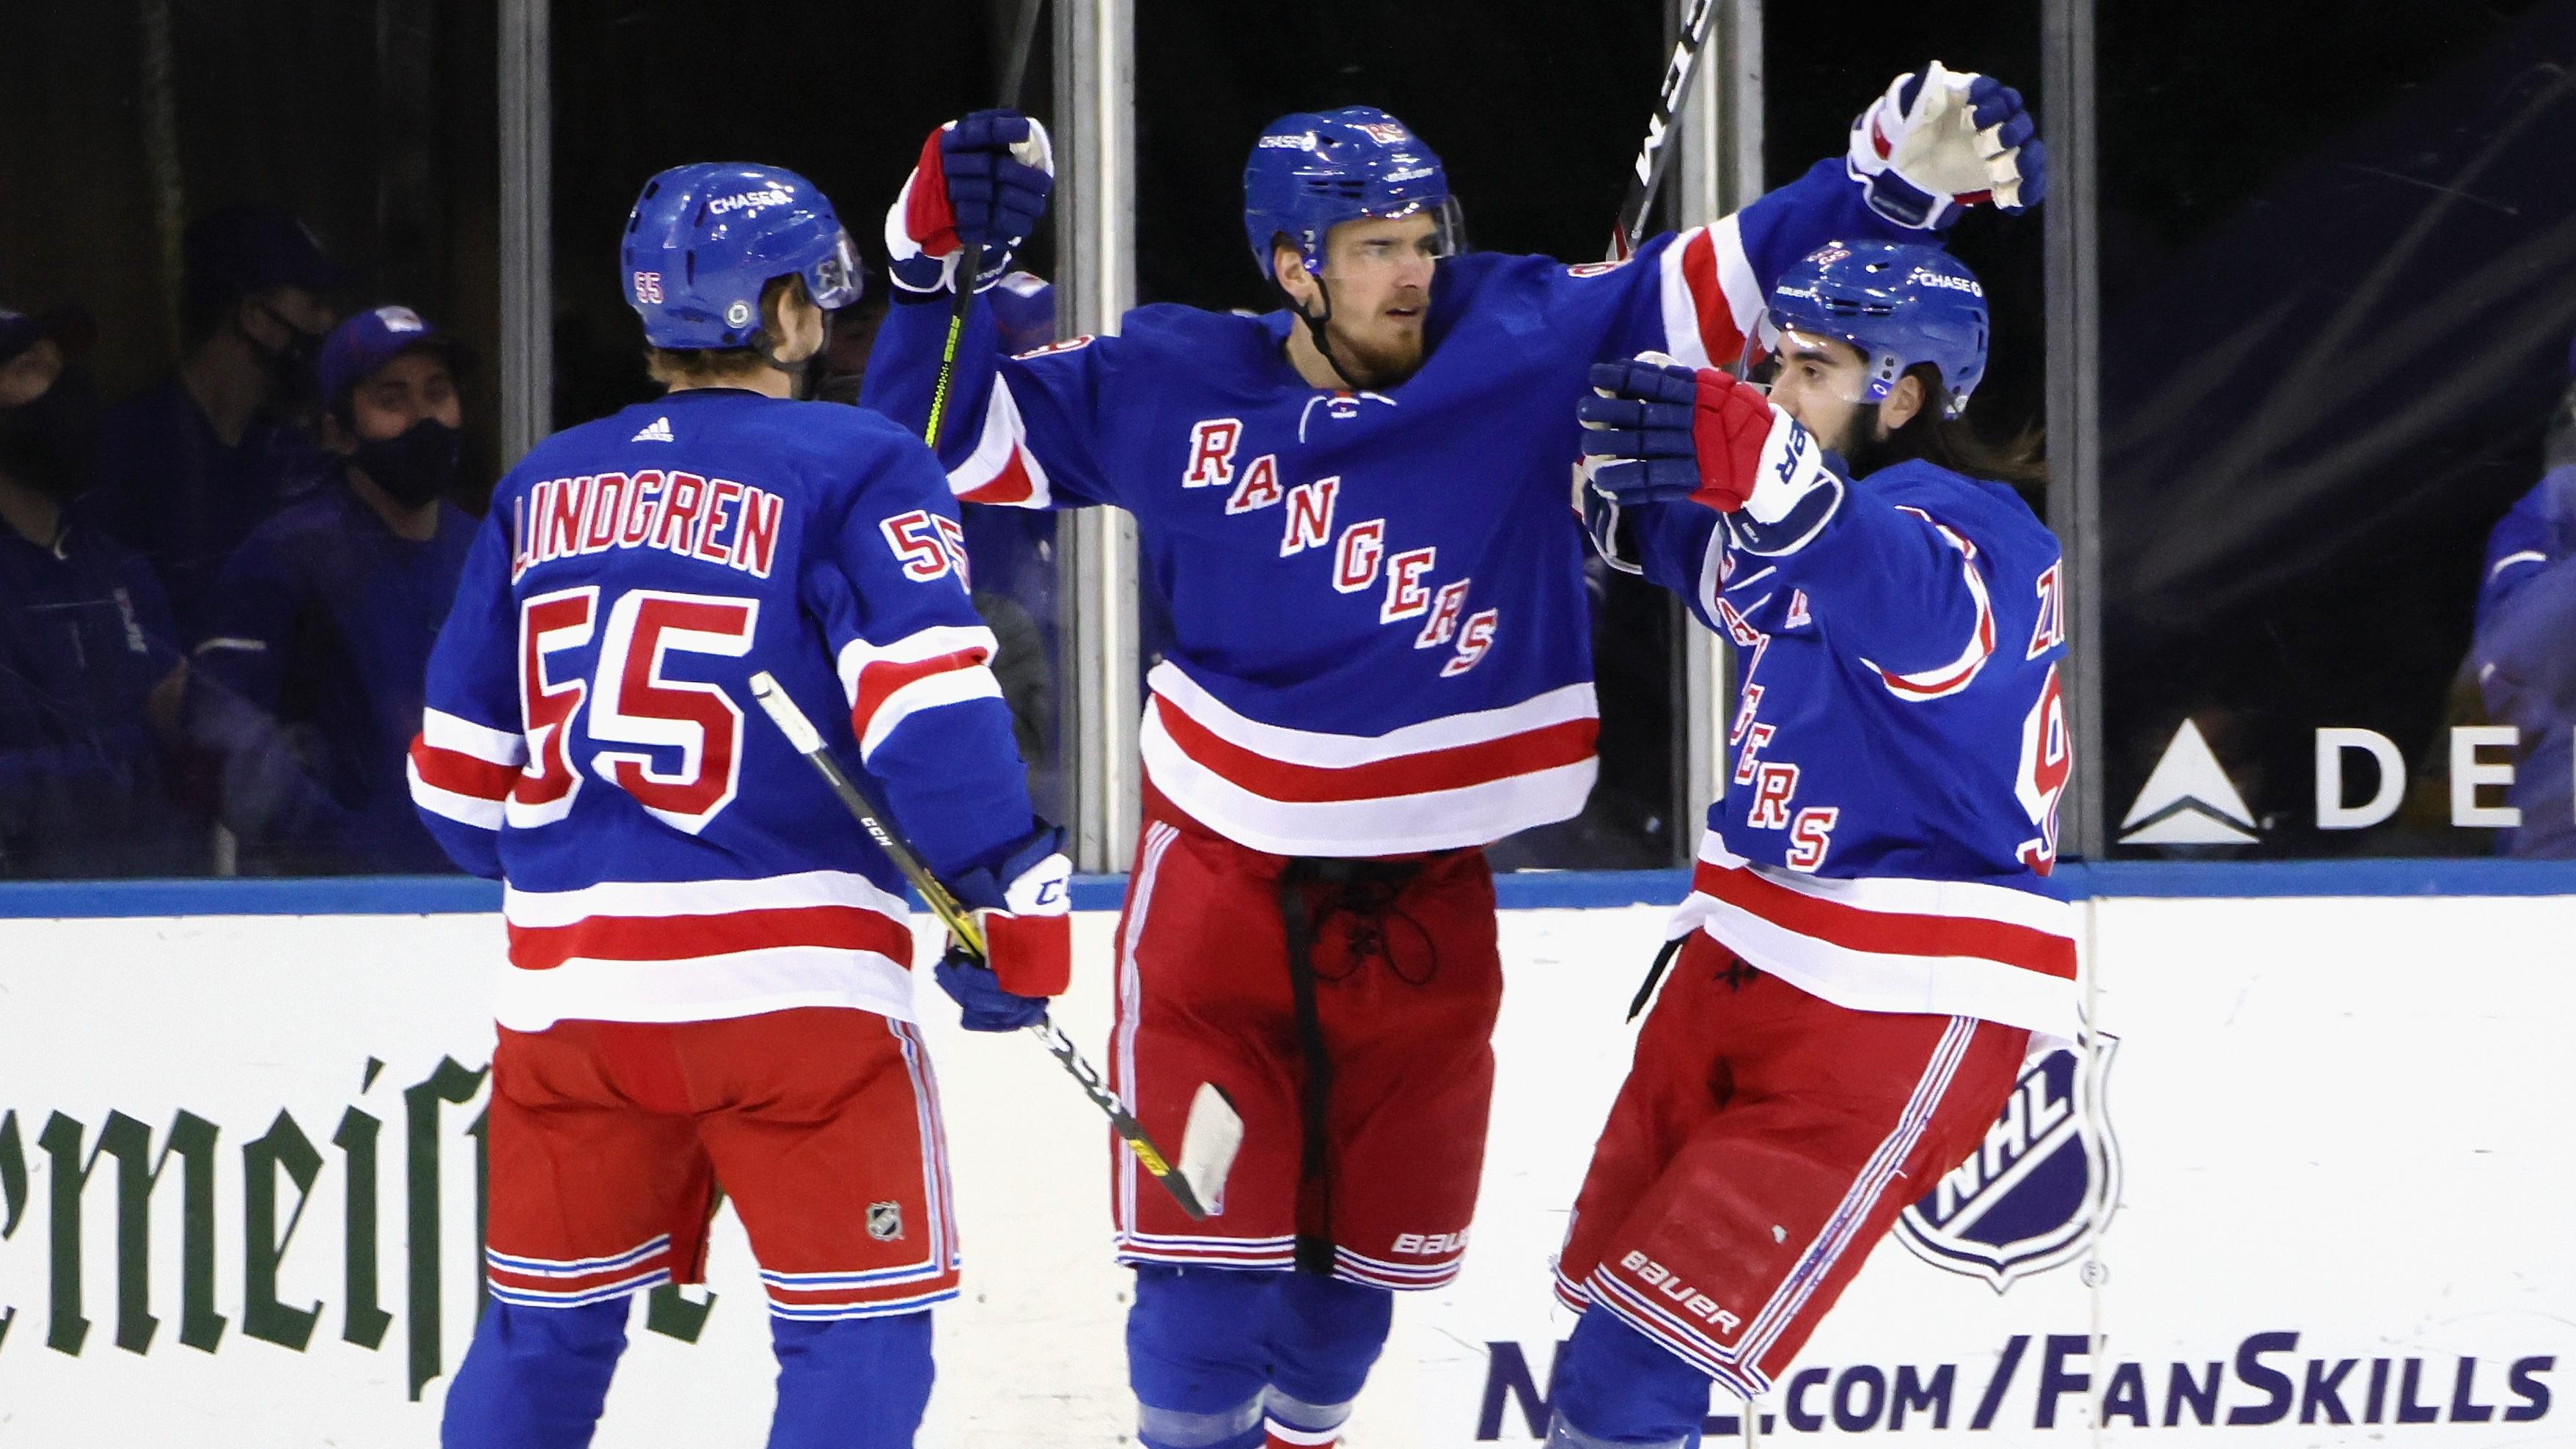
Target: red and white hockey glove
point(1941, 141)
point(1022, 906)
point(981, 181)
point(1658, 432)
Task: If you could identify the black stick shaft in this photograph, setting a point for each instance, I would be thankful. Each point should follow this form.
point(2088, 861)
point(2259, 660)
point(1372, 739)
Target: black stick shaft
point(1648, 174)
point(808, 741)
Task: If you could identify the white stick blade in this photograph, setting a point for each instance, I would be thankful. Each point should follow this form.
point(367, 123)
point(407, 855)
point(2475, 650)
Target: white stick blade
point(790, 720)
point(1209, 1141)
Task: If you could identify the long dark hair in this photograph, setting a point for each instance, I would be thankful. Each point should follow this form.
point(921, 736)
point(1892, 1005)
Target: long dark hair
point(2020, 460)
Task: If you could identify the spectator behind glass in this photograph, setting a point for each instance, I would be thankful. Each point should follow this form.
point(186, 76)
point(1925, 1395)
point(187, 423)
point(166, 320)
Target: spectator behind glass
point(308, 683)
point(2524, 654)
point(89, 674)
point(191, 465)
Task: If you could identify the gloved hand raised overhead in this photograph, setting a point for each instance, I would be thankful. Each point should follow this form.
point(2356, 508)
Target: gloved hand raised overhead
point(1941, 141)
point(981, 181)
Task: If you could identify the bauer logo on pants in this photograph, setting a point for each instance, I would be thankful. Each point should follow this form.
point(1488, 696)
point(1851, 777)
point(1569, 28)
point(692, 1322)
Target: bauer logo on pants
point(2042, 1186)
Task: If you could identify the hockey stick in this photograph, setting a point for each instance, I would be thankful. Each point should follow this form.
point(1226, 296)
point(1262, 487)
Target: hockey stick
point(1648, 173)
point(970, 261)
point(1214, 1131)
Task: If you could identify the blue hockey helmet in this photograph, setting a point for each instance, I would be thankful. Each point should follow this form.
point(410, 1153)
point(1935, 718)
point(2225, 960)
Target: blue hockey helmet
point(704, 239)
point(1899, 303)
point(1311, 171)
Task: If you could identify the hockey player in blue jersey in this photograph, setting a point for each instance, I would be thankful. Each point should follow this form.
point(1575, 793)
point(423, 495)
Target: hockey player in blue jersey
point(1869, 943)
point(709, 961)
point(1355, 508)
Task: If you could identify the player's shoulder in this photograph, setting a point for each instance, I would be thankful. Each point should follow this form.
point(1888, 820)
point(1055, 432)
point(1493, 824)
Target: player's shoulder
point(1993, 515)
point(1168, 331)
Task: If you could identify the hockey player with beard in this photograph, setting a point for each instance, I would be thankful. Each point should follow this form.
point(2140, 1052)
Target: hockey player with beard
point(1355, 508)
point(1870, 943)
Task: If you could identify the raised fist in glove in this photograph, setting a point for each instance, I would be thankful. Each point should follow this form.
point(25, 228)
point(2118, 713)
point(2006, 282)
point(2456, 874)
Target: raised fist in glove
point(1941, 141)
point(1020, 905)
point(981, 181)
point(1659, 432)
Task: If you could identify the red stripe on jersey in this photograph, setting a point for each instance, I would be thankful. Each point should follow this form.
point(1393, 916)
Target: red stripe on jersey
point(681, 938)
point(1011, 485)
point(1526, 753)
point(461, 774)
point(1888, 932)
point(878, 682)
point(1717, 332)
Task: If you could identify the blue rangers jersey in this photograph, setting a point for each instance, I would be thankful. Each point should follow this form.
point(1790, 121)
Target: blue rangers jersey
point(590, 735)
point(1898, 747)
point(1377, 597)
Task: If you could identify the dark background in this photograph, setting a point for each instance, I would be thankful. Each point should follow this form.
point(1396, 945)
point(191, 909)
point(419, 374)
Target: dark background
point(2338, 278)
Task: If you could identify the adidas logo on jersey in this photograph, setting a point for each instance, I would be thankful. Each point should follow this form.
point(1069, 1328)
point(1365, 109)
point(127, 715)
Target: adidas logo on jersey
point(656, 431)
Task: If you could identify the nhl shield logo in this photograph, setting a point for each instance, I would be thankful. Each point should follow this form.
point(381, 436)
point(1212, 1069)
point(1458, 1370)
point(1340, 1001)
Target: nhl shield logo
point(885, 1221)
point(2042, 1186)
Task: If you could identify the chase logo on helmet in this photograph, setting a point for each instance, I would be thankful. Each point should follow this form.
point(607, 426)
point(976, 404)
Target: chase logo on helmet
point(1302, 141)
point(774, 196)
point(1926, 277)
point(2040, 1190)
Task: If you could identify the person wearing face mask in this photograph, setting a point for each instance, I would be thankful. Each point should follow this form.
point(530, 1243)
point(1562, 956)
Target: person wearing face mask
point(309, 674)
point(89, 673)
point(190, 466)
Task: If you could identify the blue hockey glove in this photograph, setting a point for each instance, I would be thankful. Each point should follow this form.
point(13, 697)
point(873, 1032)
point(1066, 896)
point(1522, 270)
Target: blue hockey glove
point(1021, 906)
point(1658, 432)
point(1941, 141)
point(1637, 444)
point(982, 180)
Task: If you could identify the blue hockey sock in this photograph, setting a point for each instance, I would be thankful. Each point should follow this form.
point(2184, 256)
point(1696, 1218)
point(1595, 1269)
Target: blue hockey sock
point(534, 1378)
point(1196, 1356)
point(850, 1383)
point(1615, 1386)
point(1324, 1335)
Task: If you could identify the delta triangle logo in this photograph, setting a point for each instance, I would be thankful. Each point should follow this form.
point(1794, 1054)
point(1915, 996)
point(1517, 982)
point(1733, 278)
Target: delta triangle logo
point(656, 431)
point(2188, 799)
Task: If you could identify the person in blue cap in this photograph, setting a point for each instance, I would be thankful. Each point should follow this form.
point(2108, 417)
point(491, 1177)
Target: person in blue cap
point(192, 464)
point(308, 677)
point(89, 674)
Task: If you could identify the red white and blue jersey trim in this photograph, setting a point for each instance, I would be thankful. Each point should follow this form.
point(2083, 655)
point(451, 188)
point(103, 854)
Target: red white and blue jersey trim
point(890, 683)
point(550, 1283)
point(1710, 294)
point(465, 771)
point(1444, 783)
point(704, 950)
point(1002, 470)
point(1944, 948)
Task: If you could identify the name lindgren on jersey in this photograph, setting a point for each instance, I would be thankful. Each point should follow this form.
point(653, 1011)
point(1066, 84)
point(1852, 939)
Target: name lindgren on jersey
point(589, 736)
point(1898, 747)
point(1381, 634)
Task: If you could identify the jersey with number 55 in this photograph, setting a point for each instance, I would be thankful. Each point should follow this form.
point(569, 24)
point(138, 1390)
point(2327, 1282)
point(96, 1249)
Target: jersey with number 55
point(590, 736)
point(1897, 748)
